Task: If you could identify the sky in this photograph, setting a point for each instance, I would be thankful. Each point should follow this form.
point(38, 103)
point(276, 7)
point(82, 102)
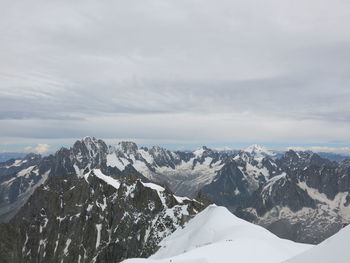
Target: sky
point(175, 73)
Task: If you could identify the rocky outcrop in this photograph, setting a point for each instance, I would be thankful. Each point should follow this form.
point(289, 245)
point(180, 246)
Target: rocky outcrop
point(94, 218)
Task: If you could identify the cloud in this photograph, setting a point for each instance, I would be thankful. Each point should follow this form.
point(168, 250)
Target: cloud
point(339, 150)
point(41, 148)
point(175, 70)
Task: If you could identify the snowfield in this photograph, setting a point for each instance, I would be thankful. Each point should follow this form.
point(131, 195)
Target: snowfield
point(333, 249)
point(216, 235)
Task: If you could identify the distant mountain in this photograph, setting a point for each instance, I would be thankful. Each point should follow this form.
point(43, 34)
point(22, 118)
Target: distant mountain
point(334, 156)
point(184, 172)
point(259, 151)
point(5, 156)
point(299, 196)
point(216, 235)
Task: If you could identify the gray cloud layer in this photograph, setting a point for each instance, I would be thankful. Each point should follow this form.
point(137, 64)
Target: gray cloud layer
point(175, 70)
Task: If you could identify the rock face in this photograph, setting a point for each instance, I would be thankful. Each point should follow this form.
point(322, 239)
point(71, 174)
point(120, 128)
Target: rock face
point(94, 218)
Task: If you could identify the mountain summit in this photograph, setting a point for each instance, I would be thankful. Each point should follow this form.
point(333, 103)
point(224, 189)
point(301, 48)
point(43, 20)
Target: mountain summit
point(259, 151)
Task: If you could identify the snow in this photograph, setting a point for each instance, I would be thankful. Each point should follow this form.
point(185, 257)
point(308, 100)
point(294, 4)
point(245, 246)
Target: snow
point(257, 170)
point(259, 151)
point(109, 180)
point(199, 152)
point(56, 244)
point(216, 235)
point(251, 178)
point(25, 172)
point(65, 251)
point(114, 161)
point(252, 169)
point(98, 238)
point(338, 204)
point(140, 166)
point(15, 163)
point(103, 207)
point(78, 172)
point(181, 199)
point(145, 155)
point(183, 178)
point(154, 186)
point(333, 249)
point(272, 181)
point(159, 190)
point(8, 181)
point(207, 161)
point(187, 176)
point(45, 224)
point(18, 162)
point(147, 232)
point(25, 244)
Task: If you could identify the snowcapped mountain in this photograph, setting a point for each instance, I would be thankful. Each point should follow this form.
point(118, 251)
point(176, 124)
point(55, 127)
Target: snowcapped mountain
point(216, 235)
point(20, 177)
point(334, 249)
point(259, 151)
point(239, 179)
point(309, 202)
point(185, 173)
point(299, 196)
point(93, 218)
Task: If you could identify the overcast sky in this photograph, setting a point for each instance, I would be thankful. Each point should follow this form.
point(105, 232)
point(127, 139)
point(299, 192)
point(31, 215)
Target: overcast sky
point(176, 73)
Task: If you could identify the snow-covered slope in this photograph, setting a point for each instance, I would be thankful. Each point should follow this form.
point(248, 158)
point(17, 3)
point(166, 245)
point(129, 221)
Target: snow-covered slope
point(259, 151)
point(333, 249)
point(216, 235)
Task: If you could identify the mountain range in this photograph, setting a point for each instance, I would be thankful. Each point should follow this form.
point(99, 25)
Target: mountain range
point(296, 195)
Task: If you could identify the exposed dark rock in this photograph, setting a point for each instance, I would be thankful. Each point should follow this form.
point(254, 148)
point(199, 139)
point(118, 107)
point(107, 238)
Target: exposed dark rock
point(72, 219)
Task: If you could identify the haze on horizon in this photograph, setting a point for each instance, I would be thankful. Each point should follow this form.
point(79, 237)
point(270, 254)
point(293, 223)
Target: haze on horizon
point(178, 73)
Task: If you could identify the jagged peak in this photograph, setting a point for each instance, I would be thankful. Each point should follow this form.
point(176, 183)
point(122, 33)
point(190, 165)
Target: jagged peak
point(258, 150)
point(91, 143)
point(127, 147)
point(89, 139)
point(157, 147)
point(292, 153)
point(199, 152)
point(242, 155)
point(158, 150)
